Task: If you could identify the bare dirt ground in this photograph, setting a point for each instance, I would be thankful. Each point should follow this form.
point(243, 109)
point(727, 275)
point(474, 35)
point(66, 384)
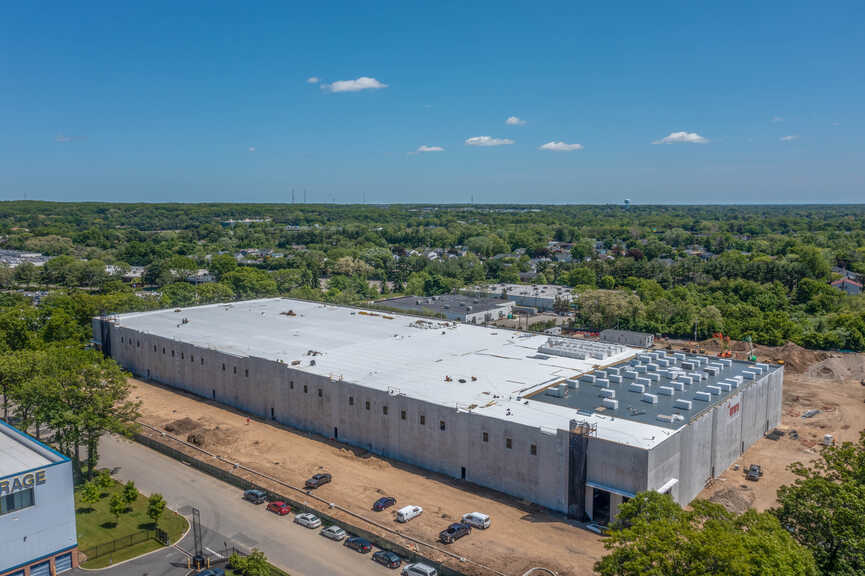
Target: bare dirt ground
point(522, 535)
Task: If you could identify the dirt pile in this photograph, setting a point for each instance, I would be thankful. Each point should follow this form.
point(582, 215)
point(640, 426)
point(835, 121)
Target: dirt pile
point(182, 426)
point(734, 499)
point(795, 358)
point(842, 367)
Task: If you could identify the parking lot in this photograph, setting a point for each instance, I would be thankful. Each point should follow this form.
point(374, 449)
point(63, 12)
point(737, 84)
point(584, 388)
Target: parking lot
point(226, 520)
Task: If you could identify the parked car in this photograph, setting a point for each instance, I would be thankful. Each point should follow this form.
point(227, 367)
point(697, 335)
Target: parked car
point(359, 544)
point(407, 513)
point(454, 532)
point(255, 496)
point(419, 569)
point(279, 507)
point(477, 520)
point(386, 558)
point(754, 472)
point(383, 502)
point(318, 480)
point(334, 532)
point(308, 520)
point(212, 572)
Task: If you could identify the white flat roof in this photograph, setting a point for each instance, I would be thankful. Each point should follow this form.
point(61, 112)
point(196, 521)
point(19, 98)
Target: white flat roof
point(446, 363)
point(17, 455)
point(526, 290)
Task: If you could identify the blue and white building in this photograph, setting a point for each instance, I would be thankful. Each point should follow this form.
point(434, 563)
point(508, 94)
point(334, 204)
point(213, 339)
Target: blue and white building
point(37, 507)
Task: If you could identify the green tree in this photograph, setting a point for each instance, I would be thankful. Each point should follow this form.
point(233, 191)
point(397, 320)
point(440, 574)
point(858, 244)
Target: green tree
point(89, 494)
point(221, 264)
point(824, 508)
point(103, 480)
point(654, 536)
point(130, 493)
point(250, 283)
point(117, 506)
point(155, 507)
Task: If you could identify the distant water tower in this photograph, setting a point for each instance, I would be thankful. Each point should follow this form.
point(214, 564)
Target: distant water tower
point(627, 201)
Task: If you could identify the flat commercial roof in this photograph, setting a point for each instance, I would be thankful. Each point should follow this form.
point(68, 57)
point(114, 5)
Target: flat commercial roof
point(20, 453)
point(457, 304)
point(546, 291)
point(486, 370)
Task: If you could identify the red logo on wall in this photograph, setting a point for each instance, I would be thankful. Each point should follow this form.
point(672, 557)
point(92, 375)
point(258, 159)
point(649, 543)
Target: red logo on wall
point(734, 409)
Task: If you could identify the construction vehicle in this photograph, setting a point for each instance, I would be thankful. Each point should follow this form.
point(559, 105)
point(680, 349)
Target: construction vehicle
point(751, 356)
point(724, 342)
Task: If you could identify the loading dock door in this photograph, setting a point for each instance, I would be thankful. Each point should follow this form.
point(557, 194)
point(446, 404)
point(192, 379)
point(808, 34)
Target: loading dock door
point(43, 569)
point(601, 506)
point(63, 563)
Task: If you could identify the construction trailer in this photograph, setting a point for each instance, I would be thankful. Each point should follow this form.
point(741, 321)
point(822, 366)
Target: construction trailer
point(573, 425)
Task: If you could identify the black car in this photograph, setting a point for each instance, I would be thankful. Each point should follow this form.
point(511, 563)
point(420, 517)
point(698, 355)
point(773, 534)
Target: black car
point(386, 558)
point(255, 496)
point(384, 502)
point(318, 480)
point(359, 544)
point(454, 532)
point(754, 472)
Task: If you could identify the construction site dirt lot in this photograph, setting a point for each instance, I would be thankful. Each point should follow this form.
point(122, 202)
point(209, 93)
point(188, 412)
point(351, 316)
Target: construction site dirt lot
point(522, 535)
point(830, 384)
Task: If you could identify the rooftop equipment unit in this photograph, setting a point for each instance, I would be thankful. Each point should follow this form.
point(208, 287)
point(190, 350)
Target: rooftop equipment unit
point(610, 403)
point(716, 390)
point(703, 396)
point(637, 388)
point(682, 404)
point(665, 390)
point(649, 398)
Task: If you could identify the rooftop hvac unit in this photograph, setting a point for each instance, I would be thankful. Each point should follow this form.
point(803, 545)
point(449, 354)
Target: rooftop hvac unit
point(641, 369)
point(602, 382)
point(610, 403)
point(587, 378)
point(615, 378)
point(749, 375)
point(572, 383)
point(682, 404)
point(732, 382)
point(688, 365)
point(725, 386)
point(703, 396)
point(637, 388)
point(652, 367)
point(649, 398)
point(608, 393)
point(600, 374)
point(653, 376)
point(716, 390)
point(631, 374)
point(686, 379)
point(665, 390)
point(677, 385)
point(644, 381)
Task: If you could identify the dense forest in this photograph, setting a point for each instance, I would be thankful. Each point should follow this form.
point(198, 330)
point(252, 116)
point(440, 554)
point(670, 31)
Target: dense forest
point(758, 271)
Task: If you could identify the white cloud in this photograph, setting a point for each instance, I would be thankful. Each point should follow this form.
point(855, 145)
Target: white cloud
point(777, 119)
point(789, 138)
point(674, 137)
point(487, 141)
point(426, 148)
point(313, 80)
point(836, 123)
point(252, 148)
point(62, 139)
point(560, 147)
point(362, 83)
point(515, 121)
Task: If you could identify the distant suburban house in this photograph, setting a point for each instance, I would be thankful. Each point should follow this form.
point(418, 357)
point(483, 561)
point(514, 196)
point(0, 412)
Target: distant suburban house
point(848, 285)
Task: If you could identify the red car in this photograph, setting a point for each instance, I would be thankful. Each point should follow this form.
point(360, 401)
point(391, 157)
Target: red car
point(279, 507)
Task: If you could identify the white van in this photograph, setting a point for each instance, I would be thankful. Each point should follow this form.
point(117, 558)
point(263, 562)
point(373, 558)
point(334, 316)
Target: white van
point(419, 569)
point(407, 513)
point(477, 520)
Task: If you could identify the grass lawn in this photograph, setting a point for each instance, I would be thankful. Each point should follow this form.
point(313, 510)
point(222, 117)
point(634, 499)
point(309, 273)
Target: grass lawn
point(97, 526)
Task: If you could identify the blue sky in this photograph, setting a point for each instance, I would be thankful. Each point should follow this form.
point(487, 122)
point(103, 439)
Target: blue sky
point(211, 101)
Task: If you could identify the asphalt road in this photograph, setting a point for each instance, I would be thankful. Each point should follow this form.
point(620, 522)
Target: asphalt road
point(227, 518)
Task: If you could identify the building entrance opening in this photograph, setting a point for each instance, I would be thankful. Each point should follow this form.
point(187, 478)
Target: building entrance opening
point(601, 506)
point(335, 433)
point(463, 473)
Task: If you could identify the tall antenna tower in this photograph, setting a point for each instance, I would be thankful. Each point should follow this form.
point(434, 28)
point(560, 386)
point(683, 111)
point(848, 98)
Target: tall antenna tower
point(304, 195)
point(292, 195)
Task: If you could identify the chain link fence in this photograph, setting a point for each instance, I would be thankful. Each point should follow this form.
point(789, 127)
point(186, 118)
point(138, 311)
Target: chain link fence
point(125, 542)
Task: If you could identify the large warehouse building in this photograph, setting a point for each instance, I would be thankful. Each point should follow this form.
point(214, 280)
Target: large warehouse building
point(37, 507)
point(573, 425)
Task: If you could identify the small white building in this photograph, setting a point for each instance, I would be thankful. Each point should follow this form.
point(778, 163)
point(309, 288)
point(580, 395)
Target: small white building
point(539, 296)
point(37, 507)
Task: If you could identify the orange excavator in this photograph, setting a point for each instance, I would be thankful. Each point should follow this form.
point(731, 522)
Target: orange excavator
point(724, 342)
